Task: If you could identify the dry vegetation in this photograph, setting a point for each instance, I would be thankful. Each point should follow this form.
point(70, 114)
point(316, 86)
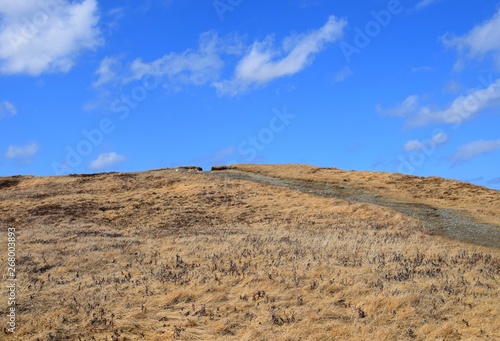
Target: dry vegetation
point(185, 255)
point(480, 202)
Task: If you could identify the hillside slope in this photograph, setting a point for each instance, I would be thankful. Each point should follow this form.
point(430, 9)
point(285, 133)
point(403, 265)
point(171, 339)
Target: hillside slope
point(180, 254)
point(480, 202)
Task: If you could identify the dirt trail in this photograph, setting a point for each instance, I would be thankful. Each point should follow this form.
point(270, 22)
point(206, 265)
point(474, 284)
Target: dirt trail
point(448, 222)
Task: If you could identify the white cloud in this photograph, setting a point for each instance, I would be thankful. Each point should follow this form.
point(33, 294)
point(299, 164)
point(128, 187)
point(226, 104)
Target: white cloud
point(264, 63)
point(408, 106)
point(112, 17)
point(462, 108)
point(106, 160)
point(438, 138)
point(342, 74)
point(39, 36)
point(190, 67)
point(22, 152)
point(204, 65)
point(481, 40)
point(476, 148)
point(7, 109)
point(107, 71)
point(478, 43)
point(413, 146)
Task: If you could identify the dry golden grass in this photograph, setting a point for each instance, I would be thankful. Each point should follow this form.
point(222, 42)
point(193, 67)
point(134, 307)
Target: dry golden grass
point(184, 255)
point(480, 202)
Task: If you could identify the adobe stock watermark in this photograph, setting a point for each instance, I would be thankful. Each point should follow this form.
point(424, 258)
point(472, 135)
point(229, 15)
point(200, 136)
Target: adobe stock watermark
point(223, 6)
point(365, 35)
point(92, 138)
point(33, 23)
point(250, 148)
point(11, 280)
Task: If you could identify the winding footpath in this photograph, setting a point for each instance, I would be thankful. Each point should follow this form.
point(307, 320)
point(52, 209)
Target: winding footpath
point(448, 222)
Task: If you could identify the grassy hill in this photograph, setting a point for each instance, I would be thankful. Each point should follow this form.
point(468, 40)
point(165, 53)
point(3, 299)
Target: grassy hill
point(285, 252)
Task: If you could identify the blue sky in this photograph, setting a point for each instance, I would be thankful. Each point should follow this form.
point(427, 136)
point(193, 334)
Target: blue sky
point(398, 86)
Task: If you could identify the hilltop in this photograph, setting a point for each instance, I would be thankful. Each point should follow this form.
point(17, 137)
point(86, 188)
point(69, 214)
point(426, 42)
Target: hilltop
point(252, 252)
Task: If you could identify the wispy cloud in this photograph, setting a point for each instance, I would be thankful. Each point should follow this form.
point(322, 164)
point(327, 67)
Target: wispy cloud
point(264, 62)
point(474, 149)
point(479, 42)
point(408, 106)
point(105, 160)
point(261, 63)
point(342, 74)
point(417, 145)
point(460, 110)
point(113, 17)
point(223, 154)
point(23, 153)
point(191, 67)
point(188, 68)
point(7, 109)
point(108, 71)
point(38, 37)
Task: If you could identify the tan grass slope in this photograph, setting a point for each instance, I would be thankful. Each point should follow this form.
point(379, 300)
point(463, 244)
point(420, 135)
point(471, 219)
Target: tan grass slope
point(188, 255)
point(481, 202)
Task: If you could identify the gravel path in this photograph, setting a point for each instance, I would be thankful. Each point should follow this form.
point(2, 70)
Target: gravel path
point(448, 222)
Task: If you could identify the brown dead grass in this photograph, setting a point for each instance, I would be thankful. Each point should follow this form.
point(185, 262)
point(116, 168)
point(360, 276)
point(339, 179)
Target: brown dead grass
point(182, 255)
point(480, 202)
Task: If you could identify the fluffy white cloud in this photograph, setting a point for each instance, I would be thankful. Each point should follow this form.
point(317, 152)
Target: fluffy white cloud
point(408, 106)
point(38, 36)
point(7, 109)
point(106, 160)
point(22, 152)
point(481, 40)
point(476, 148)
point(264, 63)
